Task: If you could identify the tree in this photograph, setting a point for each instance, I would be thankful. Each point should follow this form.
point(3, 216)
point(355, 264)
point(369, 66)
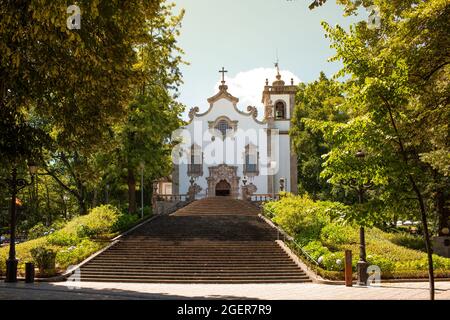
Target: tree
point(376, 177)
point(62, 75)
point(64, 93)
point(320, 100)
point(154, 114)
point(349, 5)
point(399, 80)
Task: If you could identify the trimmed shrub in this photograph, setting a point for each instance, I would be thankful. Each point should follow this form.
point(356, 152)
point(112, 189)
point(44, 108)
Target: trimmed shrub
point(75, 254)
point(333, 261)
point(385, 265)
point(98, 223)
point(333, 235)
point(37, 231)
point(408, 240)
point(72, 243)
point(316, 226)
point(124, 222)
point(315, 249)
point(299, 216)
point(45, 259)
point(63, 238)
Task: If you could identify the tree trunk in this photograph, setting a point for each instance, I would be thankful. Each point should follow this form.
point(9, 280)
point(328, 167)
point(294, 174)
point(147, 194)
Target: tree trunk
point(47, 219)
point(423, 212)
point(426, 234)
point(131, 191)
point(82, 205)
point(94, 198)
point(443, 211)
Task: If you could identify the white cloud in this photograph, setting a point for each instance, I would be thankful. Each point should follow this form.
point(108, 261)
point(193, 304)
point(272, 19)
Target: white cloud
point(249, 85)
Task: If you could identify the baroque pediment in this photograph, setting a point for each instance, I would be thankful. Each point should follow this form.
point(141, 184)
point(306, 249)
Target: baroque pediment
point(223, 94)
point(223, 172)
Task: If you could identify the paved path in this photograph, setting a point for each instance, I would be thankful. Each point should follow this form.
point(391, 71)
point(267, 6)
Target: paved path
point(306, 291)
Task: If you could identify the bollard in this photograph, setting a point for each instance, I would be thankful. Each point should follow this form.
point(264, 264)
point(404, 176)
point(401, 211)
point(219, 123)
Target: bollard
point(29, 272)
point(348, 268)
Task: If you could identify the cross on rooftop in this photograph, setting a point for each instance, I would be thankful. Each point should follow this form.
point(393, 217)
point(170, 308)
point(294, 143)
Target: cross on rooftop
point(223, 71)
point(277, 65)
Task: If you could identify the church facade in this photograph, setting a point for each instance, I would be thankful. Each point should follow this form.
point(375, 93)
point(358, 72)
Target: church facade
point(229, 152)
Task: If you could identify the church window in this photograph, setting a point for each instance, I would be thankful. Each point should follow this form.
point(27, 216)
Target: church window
point(251, 166)
point(280, 110)
point(223, 126)
point(195, 168)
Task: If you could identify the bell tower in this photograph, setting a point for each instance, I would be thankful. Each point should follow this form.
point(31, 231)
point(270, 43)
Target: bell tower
point(279, 102)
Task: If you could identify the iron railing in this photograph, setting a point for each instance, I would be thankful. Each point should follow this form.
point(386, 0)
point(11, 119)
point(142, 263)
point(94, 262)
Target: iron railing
point(250, 169)
point(172, 198)
point(195, 169)
point(264, 197)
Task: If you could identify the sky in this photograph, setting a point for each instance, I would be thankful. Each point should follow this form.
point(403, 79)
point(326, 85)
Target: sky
point(245, 37)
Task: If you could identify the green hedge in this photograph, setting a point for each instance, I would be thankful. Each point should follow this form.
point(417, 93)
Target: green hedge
point(318, 228)
point(77, 240)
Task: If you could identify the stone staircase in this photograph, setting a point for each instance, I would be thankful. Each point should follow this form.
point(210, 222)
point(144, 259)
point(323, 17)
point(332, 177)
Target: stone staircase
point(217, 240)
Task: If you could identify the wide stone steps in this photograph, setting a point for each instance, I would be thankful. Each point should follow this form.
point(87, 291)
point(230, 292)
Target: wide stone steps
point(210, 241)
point(176, 260)
point(191, 274)
point(244, 254)
point(193, 268)
point(175, 279)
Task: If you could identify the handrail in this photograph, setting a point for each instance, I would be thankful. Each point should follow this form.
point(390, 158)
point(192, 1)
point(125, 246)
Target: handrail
point(305, 253)
point(291, 240)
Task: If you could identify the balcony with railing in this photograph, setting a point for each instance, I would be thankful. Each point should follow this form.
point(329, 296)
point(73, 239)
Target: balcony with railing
point(251, 169)
point(195, 170)
point(264, 197)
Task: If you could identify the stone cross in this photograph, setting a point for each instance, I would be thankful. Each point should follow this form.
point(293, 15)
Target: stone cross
point(223, 71)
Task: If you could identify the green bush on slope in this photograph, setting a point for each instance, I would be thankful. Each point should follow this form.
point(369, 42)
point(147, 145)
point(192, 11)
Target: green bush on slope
point(77, 240)
point(318, 228)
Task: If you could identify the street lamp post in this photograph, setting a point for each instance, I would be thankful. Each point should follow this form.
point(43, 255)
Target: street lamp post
point(245, 189)
point(107, 193)
point(142, 165)
point(362, 264)
point(282, 184)
point(155, 198)
point(15, 185)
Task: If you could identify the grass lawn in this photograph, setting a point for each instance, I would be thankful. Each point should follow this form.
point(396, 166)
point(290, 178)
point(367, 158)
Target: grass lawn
point(77, 240)
point(317, 228)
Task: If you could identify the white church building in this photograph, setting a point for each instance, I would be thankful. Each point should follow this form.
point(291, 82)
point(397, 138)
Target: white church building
point(226, 151)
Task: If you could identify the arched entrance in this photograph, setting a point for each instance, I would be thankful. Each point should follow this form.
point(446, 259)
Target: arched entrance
point(223, 189)
point(220, 174)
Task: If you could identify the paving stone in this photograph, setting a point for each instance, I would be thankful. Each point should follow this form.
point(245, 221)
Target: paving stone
point(286, 291)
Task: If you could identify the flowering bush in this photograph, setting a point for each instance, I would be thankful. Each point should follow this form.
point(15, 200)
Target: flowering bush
point(316, 249)
point(333, 261)
point(334, 234)
point(318, 227)
point(298, 216)
point(74, 241)
point(44, 258)
point(75, 254)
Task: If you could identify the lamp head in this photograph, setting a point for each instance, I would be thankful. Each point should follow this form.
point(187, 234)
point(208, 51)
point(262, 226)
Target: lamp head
point(360, 154)
point(32, 168)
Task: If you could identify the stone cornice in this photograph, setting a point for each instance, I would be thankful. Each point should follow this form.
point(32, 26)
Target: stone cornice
point(270, 90)
point(251, 112)
point(223, 94)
